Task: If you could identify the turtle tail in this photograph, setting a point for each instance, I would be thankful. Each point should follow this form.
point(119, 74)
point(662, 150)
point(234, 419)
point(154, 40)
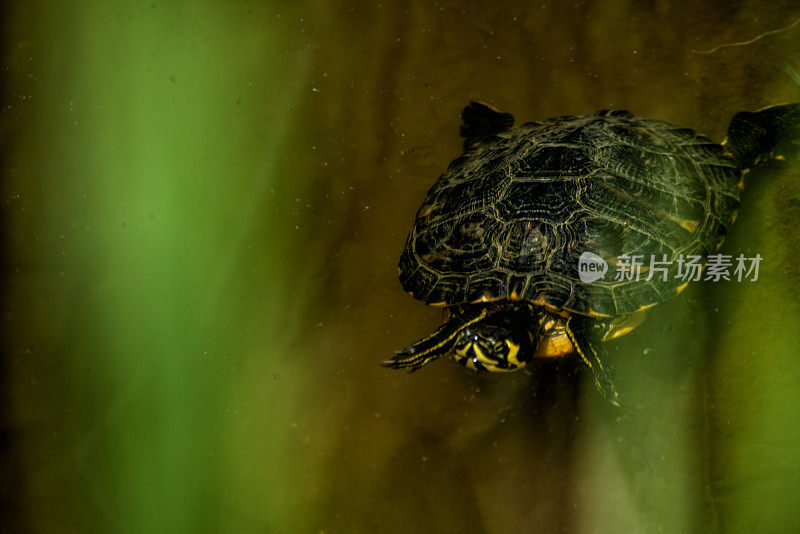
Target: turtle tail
point(758, 136)
point(482, 122)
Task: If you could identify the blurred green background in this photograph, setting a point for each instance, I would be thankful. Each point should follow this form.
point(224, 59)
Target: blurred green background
point(203, 204)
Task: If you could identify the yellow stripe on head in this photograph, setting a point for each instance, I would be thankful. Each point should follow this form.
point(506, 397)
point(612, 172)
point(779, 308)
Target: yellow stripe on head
point(513, 353)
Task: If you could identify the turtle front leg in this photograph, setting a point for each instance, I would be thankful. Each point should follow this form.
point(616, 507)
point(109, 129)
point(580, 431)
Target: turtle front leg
point(586, 336)
point(438, 344)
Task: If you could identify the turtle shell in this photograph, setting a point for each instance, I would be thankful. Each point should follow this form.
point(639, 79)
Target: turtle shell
point(511, 217)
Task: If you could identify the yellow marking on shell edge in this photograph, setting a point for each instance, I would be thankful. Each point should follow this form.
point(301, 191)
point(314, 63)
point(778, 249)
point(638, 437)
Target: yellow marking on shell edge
point(625, 326)
point(486, 298)
point(424, 211)
point(646, 307)
point(681, 288)
point(740, 184)
point(592, 313)
point(688, 225)
point(439, 304)
point(539, 301)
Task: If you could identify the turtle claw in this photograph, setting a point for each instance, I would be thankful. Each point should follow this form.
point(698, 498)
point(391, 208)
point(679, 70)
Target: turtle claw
point(407, 359)
point(395, 363)
point(609, 392)
point(400, 358)
point(427, 349)
point(401, 364)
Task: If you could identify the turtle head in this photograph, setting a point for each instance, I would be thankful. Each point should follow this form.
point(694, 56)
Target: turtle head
point(501, 340)
point(497, 338)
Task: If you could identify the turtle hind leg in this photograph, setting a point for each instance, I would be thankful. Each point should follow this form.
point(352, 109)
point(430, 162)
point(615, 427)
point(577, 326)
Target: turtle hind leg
point(586, 336)
point(427, 349)
point(757, 136)
point(482, 122)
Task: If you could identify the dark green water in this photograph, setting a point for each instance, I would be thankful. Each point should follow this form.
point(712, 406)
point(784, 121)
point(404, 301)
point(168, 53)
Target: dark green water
point(203, 205)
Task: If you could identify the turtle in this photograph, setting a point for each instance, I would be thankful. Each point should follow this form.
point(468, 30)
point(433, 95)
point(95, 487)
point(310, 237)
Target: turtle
point(501, 236)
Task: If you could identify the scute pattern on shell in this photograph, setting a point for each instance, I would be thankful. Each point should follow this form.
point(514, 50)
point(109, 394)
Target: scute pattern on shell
point(511, 217)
